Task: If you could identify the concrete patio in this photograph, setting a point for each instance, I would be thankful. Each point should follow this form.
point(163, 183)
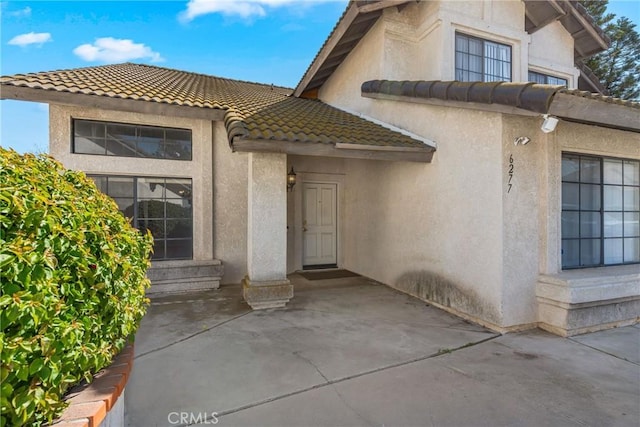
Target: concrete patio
point(352, 352)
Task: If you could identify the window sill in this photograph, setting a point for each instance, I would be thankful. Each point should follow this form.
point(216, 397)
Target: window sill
point(184, 275)
point(590, 284)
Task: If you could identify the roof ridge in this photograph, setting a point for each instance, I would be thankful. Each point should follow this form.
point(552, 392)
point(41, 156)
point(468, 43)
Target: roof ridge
point(105, 66)
point(61, 70)
point(205, 75)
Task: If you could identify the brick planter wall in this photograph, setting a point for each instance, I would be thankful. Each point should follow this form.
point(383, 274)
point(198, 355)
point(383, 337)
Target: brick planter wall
point(90, 404)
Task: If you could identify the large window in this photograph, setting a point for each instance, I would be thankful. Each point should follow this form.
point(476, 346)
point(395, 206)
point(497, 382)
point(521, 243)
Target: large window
point(600, 211)
point(546, 79)
point(161, 205)
point(119, 139)
point(479, 60)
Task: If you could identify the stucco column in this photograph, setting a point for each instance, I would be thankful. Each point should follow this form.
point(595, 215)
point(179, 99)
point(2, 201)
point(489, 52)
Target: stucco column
point(266, 284)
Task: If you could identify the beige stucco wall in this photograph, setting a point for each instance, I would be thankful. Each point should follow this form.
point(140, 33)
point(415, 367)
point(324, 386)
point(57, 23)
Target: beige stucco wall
point(522, 203)
point(551, 52)
point(218, 178)
point(230, 207)
point(435, 226)
point(453, 231)
point(454, 225)
point(418, 34)
point(267, 217)
point(418, 43)
point(532, 209)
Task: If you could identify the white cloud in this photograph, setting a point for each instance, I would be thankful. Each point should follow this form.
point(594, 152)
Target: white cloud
point(243, 8)
point(108, 49)
point(30, 38)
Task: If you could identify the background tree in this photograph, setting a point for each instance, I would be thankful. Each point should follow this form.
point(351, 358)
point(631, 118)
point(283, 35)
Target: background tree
point(618, 68)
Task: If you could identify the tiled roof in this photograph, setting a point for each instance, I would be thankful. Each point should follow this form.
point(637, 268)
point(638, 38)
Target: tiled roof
point(528, 96)
point(252, 110)
point(592, 22)
point(515, 98)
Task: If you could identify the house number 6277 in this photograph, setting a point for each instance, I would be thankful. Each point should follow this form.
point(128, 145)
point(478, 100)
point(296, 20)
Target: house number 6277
point(509, 184)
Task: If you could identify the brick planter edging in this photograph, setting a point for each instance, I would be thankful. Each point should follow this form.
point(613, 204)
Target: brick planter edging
point(89, 406)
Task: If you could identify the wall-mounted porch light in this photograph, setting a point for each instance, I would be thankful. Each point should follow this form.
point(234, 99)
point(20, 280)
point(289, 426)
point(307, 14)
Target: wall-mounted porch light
point(291, 179)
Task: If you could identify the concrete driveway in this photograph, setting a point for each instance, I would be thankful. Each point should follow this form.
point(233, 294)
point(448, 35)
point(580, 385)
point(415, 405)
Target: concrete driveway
point(352, 352)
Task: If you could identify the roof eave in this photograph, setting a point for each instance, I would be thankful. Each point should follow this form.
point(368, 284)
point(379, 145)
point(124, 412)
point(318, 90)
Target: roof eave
point(570, 107)
point(496, 108)
point(357, 13)
point(23, 93)
point(588, 80)
point(339, 31)
point(595, 112)
point(539, 14)
point(341, 150)
point(589, 38)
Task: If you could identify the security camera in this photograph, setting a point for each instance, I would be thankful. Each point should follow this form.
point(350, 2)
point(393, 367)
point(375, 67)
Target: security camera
point(549, 124)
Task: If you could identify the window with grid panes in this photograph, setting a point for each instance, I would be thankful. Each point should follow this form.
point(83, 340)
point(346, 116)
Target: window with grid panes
point(479, 60)
point(546, 79)
point(600, 211)
point(127, 140)
point(160, 205)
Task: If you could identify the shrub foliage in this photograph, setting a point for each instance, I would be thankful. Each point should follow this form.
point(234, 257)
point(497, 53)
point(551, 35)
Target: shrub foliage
point(73, 278)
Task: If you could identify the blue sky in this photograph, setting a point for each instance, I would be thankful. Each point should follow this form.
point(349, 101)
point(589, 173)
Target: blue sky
point(270, 41)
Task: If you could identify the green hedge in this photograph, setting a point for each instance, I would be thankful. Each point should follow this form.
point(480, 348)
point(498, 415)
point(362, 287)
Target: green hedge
point(73, 278)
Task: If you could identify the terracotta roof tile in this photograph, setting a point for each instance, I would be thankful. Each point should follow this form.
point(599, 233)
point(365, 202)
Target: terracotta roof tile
point(528, 96)
point(252, 110)
point(519, 98)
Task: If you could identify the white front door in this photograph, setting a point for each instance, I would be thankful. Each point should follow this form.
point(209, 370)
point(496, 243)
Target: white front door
point(319, 224)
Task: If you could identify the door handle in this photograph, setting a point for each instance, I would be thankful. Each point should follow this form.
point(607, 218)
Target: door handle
point(304, 225)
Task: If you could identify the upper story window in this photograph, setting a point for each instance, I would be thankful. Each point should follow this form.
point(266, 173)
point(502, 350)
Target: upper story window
point(546, 79)
point(479, 60)
point(600, 211)
point(126, 140)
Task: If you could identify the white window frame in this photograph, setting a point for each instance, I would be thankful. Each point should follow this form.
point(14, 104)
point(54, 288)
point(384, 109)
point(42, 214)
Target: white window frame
point(547, 76)
point(484, 74)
